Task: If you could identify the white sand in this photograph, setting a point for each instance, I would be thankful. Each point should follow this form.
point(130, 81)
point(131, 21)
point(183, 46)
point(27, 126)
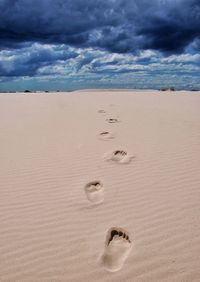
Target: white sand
point(50, 149)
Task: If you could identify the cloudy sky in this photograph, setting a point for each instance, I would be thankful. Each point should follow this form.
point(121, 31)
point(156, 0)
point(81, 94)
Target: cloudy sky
point(71, 44)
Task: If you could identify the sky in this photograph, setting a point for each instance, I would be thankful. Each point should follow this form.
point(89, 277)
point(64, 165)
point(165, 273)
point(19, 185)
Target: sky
point(73, 44)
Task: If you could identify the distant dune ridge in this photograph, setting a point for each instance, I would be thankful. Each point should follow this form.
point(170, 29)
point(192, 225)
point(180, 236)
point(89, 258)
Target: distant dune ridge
point(68, 213)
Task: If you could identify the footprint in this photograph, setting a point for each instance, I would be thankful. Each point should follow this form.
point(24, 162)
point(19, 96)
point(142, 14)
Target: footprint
point(119, 156)
point(101, 111)
point(106, 135)
point(112, 120)
point(94, 191)
point(117, 249)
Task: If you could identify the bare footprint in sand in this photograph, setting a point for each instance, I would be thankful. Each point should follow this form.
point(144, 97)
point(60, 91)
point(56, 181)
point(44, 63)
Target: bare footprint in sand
point(101, 111)
point(119, 156)
point(112, 120)
point(117, 249)
point(94, 191)
point(106, 135)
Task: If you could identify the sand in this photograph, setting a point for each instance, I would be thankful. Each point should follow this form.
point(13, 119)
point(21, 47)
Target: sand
point(51, 148)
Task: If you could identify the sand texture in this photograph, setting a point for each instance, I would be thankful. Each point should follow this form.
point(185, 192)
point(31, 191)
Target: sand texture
point(59, 195)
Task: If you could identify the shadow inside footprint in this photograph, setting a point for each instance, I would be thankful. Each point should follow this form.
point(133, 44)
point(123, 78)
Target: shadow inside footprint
point(112, 120)
point(101, 111)
point(119, 156)
point(94, 191)
point(117, 248)
point(106, 135)
point(117, 231)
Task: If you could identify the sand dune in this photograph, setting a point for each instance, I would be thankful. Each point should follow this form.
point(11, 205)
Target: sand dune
point(50, 151)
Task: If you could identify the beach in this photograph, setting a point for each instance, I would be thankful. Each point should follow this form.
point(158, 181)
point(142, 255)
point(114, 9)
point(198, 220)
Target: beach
point(53, 144)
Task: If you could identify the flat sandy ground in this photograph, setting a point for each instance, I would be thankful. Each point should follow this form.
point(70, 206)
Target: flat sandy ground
point(50, 149)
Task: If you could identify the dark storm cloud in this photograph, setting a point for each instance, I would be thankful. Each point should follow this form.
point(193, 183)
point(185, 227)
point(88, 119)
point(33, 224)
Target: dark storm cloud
point(26, 62)
point(196, 45)
point(120, 26)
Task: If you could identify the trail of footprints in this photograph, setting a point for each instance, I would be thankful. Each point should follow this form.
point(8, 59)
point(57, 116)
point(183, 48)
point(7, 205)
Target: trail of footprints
point(117, 243)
